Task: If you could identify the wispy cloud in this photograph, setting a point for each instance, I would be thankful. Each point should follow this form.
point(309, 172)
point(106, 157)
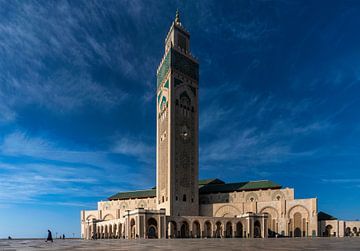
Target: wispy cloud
point(252, 132)
point(60, 171)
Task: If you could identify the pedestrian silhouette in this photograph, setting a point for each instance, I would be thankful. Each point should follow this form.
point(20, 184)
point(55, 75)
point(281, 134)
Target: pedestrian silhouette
point(49, 237)
point(9, 238)
point(64, 236)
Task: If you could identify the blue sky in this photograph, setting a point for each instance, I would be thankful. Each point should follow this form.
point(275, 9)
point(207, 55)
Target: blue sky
point(279, 100)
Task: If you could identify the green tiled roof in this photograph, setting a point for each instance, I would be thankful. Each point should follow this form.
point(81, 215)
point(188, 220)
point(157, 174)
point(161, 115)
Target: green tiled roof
point(210, 181)
point(205, 186)
point(241, 186)
point(134, 194)
point(325, 216)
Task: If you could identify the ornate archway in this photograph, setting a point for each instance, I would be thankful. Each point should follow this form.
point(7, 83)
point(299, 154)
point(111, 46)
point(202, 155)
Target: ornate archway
point(132, 229)
point(207, 229)
point(228, 230)
point(227, 211)
point(152, 229)
point(239, 230)
point(218, 229)
point(196, 229)
point(273, 216)
point(184, 230)
point(257, 229)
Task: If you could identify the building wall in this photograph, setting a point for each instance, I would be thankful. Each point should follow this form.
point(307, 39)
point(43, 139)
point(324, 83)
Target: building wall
point(339, 228)
point(287, 216)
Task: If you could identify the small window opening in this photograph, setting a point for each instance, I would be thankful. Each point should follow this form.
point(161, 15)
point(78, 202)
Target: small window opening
point(184, 197)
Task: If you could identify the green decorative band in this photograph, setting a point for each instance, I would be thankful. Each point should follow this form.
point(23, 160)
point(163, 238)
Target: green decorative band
point(164, 68)
point(179, 62)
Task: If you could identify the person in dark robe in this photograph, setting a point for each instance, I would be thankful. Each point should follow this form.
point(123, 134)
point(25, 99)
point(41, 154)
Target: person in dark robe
point(63, 236)
point(49, 237)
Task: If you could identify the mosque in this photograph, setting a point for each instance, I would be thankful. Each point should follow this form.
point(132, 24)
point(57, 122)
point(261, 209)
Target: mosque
point(181, 205)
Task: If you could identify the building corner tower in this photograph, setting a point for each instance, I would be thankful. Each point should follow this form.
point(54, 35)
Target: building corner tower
point(177, 126)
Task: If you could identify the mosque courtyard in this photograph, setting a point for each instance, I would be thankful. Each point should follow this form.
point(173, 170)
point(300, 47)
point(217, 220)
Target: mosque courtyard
point(186, 244)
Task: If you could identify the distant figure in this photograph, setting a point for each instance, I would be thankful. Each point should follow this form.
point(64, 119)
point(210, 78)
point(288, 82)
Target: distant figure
point(9, 238)
point(64, 236)
point(49, 237)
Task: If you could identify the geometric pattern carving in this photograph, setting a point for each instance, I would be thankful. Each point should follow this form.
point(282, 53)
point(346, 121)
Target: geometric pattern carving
point(227, 211)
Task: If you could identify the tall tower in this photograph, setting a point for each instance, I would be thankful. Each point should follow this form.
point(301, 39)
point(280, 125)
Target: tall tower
point(177, 125)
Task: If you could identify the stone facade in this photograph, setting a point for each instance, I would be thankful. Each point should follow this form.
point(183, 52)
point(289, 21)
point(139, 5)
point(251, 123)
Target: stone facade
point(181, 205)
point(339, 228)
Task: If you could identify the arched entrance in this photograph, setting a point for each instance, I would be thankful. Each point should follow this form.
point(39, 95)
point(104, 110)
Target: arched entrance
point(110, 232)
point(102, 232)
point(228, 232)
point(152, 228)
point(239, 230)
point(207, 229)
point(172, 229)
point(98, 232)
point(115, 234)
point(196, 229)
point(218, 230)
point(328, 230)
point(106, 232)
point(355, 231)
point(184, 230)
point(297, 224)
point(257, 229)
point(132, 229)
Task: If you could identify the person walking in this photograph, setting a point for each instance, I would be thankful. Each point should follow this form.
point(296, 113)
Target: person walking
point(49, 237)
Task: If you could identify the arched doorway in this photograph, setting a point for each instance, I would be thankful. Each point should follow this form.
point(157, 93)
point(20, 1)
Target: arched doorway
point(98, 232)
point(110, 232)
point(106, 232)
point(196, 229)
point(239, 230)
point(347, 231)
point(172, 229)
point(327, 232)
point(257, 229)
point(228, 232)
point(102, 232)
point(355, 231)
point(184, 230)
point(132, 229)
point(207, 229)
point(297, 224)
point(218, 230)
point(152, 229)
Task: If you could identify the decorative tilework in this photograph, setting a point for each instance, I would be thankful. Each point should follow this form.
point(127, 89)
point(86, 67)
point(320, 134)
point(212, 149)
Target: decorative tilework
point(177, 82)
point(185, 65)
point(164, 68)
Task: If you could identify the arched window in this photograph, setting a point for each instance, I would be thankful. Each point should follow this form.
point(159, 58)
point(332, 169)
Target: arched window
point(184, 197)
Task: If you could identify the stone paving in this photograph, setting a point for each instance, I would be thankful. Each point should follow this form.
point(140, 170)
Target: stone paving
point(327, 244)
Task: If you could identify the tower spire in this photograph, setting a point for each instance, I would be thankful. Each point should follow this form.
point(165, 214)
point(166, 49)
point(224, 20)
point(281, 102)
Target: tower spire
point(177, 17)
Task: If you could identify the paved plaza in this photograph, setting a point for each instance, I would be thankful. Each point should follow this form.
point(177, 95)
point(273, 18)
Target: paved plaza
point(186, 244)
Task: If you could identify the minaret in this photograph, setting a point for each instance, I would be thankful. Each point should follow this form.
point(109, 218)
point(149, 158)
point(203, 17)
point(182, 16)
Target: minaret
point(177, 125)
